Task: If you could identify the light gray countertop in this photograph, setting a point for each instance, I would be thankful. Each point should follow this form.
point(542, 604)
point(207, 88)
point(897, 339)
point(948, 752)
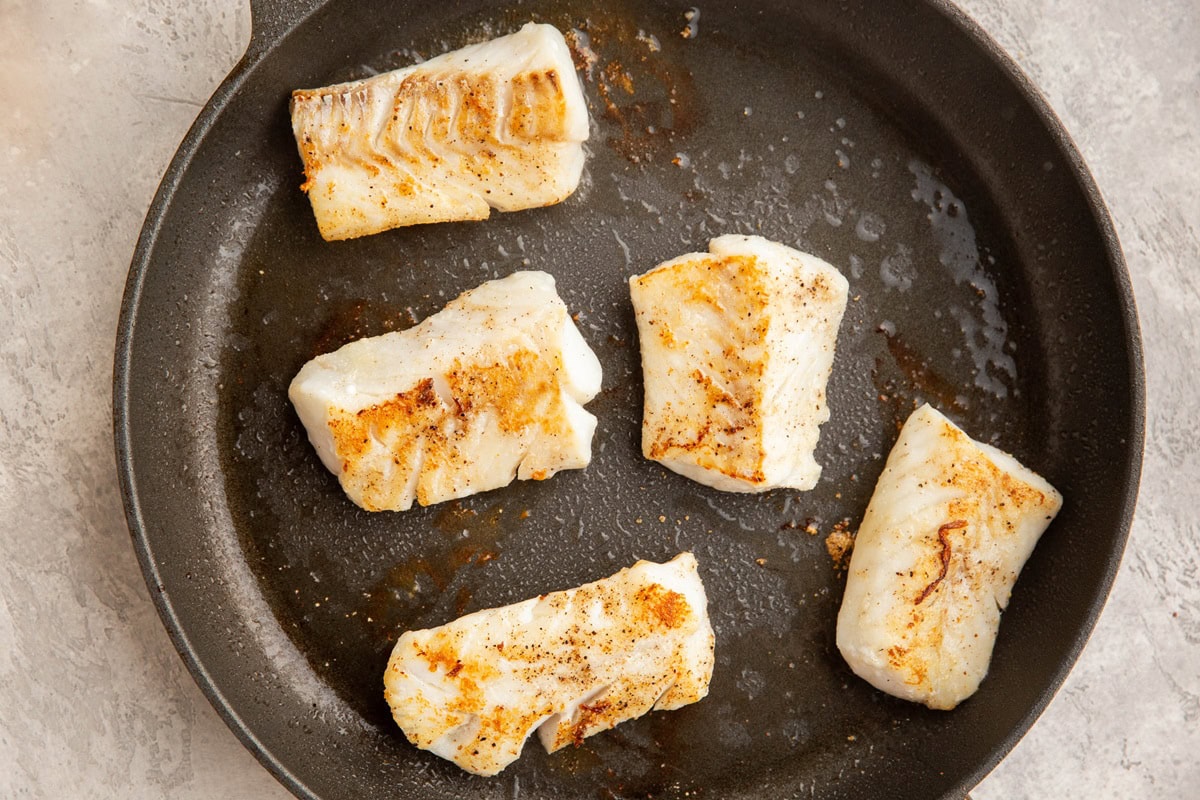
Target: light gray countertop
point(96, 95)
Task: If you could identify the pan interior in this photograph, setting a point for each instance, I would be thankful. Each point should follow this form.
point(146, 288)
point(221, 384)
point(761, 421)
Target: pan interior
point(731, 128)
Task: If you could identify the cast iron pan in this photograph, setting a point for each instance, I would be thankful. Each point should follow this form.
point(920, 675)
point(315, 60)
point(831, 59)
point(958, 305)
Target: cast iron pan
point(891, 138)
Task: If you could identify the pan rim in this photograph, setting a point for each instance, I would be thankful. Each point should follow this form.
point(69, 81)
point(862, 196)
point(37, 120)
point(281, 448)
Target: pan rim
point(1135, 366)
point(257, 48)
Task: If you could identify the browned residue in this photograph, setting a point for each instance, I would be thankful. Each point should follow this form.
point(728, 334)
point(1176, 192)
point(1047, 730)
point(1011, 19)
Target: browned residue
point(918, 376)
point(349, 320)
point(840, 543)
point(922, 377)
point(650, 99)
point(613, 76)
point(582, 55)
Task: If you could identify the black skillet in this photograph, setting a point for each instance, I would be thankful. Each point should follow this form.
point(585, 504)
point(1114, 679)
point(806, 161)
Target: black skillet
point(891, 138)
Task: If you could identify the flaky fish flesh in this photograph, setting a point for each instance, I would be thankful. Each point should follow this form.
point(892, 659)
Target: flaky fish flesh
point(499, 125)
point(489, 389)
point(737, 347)
point(948, 529)
point(567, 665)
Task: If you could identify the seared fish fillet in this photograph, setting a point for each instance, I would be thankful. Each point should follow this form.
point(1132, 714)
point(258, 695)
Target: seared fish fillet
point(499, 124)
point(945, 535)
point(737, 346)
point(488, 389)
point(567, 664)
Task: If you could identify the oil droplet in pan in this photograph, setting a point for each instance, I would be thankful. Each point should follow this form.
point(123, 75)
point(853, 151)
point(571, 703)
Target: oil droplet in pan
point(870, 227)
point(984, 329)
point(692, 18)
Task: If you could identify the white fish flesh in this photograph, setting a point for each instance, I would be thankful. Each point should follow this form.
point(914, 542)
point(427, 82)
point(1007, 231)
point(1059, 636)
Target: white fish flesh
point(489, 389)
point(499, 124)
point(948, 529)
point(737, 347)
point(568, 665)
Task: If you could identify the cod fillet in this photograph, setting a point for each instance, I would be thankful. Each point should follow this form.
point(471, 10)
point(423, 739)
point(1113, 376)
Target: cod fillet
point(567, 664)
point(948, 529)
point(489, 389)
point(499, 124)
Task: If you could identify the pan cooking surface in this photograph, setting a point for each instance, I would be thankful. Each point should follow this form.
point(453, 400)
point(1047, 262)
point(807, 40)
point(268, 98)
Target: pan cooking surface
point(286, 599)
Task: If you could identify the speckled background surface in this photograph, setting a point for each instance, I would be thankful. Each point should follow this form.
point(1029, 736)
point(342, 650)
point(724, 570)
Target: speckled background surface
point(97, 94)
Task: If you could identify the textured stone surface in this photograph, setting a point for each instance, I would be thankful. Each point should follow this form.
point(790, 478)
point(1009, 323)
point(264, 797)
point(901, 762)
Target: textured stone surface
point(96, 96)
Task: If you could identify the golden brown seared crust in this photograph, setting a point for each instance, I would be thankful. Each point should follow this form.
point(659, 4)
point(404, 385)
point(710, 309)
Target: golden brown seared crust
point(729, 439)
point(661, 607)
point(539, 107)
point(459, 108)
point(396, 424)
point(523, 391)
point(420, 431)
